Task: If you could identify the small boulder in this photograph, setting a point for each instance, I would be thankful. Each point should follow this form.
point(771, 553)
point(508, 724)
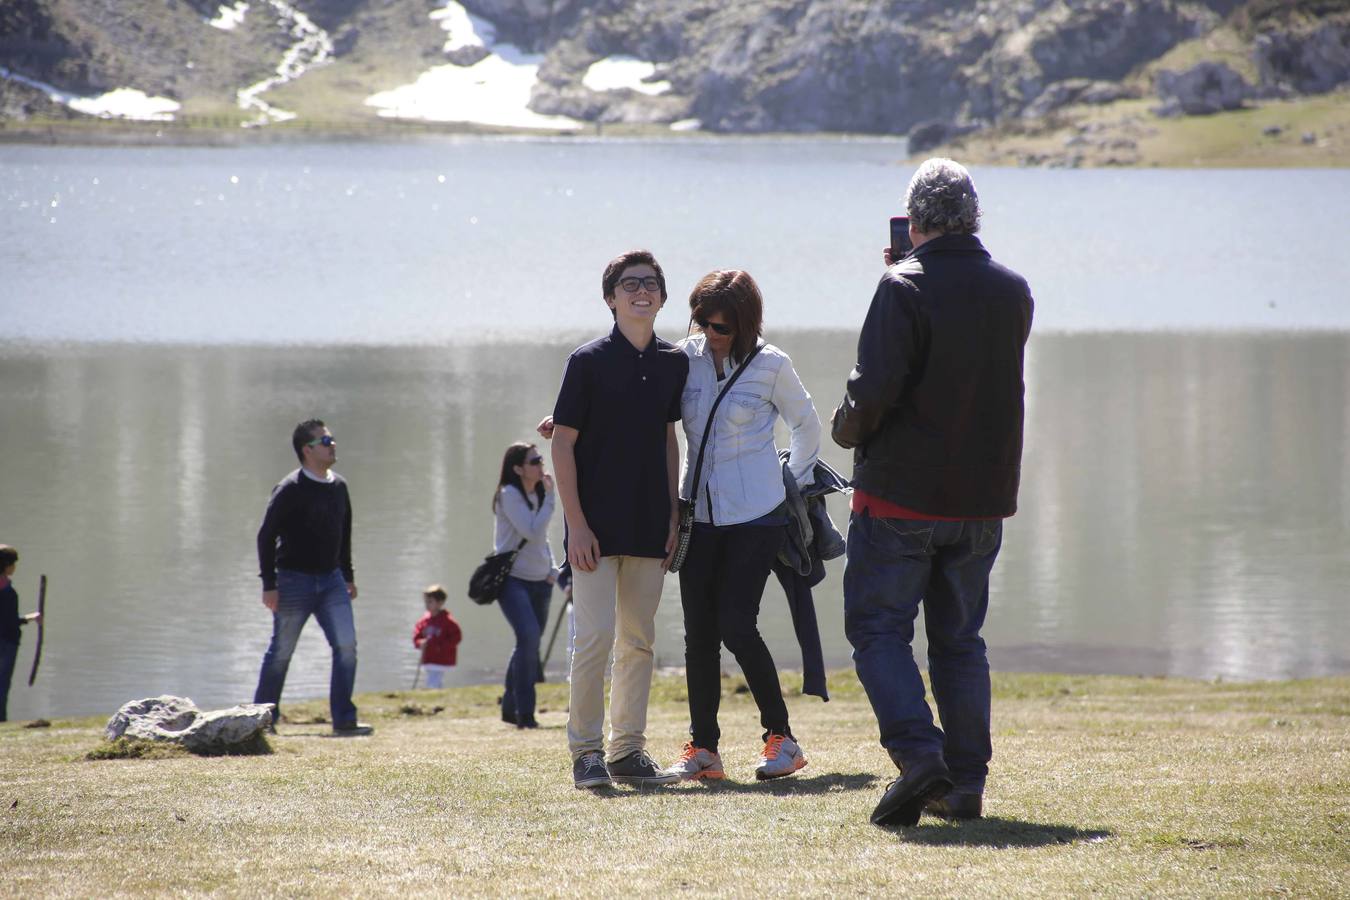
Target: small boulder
point(178, 720)
point(1207, 87)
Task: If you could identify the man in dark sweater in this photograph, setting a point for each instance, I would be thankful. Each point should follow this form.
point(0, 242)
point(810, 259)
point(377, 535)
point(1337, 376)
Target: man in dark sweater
point(933, 413)
point(10, 623)
point(305, 560)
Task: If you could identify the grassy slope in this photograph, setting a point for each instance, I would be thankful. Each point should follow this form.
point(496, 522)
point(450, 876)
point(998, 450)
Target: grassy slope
point(1225, 140)
point(1115, 786)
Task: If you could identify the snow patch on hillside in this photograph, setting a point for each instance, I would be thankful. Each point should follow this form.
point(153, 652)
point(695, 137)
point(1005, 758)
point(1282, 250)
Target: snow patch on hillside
point(615, 73)
point(122, 103)
point(493, 91)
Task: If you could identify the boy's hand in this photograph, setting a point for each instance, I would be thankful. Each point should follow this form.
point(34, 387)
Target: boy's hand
point(270, 599)
point(583, 550)
point(545, 428)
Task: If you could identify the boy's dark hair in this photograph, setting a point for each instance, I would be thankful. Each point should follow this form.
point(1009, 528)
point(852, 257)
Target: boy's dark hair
point(610, 281)
point(734, 294)
point(8, 556)
point(435, 591)
point(303, 434)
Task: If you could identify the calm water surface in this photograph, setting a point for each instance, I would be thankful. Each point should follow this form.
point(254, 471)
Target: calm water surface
point(1186, 494)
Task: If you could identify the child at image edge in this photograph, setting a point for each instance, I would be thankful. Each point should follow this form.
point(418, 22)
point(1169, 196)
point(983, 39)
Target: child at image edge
point(10, 622)
point(437, 635)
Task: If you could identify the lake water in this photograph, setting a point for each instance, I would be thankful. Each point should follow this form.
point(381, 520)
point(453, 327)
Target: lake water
point(170, 314)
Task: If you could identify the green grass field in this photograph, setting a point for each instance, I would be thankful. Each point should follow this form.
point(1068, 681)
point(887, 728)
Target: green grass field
point(1100, 785)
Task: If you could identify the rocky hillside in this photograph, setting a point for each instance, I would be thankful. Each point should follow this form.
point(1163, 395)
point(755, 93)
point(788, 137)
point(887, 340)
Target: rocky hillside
point(872, 66)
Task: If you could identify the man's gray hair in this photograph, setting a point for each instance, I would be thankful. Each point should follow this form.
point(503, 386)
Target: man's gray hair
point(941, 198)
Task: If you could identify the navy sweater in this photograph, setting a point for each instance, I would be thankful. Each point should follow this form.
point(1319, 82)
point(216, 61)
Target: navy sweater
point(307, 528)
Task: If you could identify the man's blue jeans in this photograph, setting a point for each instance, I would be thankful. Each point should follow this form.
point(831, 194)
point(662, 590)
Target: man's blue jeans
point(9, 654)
point(325, 597)
point(893, 565)
point(525, 605)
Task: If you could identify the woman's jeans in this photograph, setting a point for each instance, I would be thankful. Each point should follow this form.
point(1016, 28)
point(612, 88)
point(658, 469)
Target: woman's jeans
point(721, 584)
point(9, 654)
point(324, 597)
point(893, 565)
point(525, 605)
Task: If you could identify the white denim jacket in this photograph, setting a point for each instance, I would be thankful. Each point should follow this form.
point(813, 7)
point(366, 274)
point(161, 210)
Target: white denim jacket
point(742, 478)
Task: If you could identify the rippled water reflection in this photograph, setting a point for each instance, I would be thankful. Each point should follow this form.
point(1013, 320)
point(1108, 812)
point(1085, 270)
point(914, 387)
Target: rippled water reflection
point(1185, 506)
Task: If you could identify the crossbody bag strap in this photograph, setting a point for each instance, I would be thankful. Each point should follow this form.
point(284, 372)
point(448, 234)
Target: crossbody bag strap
point(707, 431)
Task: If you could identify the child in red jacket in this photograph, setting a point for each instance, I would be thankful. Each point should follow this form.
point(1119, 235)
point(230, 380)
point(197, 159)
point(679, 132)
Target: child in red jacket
point(437, 635)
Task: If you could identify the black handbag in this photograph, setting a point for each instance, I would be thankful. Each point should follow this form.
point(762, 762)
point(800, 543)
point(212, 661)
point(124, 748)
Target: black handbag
point(685, 532)
point(485, 584)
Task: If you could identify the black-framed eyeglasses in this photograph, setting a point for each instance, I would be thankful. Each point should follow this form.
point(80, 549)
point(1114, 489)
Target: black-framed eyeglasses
point(535, 461)
point(327, 440)
point(723, 330)
point(632, 283)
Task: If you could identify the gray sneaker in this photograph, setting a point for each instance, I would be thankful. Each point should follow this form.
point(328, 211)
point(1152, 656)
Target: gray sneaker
point(588, 770)
point(781, 756)
point(638, 768)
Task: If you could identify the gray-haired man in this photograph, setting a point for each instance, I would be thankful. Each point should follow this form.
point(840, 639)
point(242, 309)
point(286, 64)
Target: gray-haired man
point(933, 412)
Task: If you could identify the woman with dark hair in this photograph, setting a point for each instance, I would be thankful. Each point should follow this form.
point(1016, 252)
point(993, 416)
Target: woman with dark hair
point(522, 505)
point(739, 512)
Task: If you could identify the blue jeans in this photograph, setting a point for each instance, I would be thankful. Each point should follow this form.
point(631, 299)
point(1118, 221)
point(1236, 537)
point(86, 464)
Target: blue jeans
point(893, 565)
point(525, 605)
point(9, 654)
point(325, 597)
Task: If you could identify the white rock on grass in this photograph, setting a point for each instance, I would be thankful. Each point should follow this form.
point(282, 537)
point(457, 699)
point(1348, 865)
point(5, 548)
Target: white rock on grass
point(178, 720)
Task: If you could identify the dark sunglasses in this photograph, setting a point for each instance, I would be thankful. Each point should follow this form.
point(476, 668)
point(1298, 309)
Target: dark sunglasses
point(723, 330)
point(535, 461)
point(327, 440)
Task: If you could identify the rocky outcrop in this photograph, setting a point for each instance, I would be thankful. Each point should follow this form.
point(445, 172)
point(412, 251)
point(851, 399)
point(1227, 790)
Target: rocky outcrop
point(1305, 59)
point(1205, 88)
point(178, 720)
point(1077, 90)
point(874, 66)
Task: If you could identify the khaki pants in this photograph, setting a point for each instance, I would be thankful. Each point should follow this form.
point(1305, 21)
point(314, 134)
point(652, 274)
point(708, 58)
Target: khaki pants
point(614, 606)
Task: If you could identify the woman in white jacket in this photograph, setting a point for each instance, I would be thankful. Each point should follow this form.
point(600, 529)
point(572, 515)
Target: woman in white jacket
point(740, 516)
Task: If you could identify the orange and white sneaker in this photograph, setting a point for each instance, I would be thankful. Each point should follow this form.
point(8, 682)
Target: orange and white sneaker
point(696, 763)
point(781, 756)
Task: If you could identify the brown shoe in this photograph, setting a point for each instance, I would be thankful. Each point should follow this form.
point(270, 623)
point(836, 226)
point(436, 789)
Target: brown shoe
point(955, 806)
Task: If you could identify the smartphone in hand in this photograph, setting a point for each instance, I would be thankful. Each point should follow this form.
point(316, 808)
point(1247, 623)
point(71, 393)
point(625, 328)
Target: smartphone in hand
point(900, 244)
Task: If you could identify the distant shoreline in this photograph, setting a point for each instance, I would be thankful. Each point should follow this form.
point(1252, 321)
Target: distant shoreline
point(1312, 133)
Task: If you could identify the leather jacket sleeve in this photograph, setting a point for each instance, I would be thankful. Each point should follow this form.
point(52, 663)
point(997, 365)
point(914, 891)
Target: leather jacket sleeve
point(888, 349)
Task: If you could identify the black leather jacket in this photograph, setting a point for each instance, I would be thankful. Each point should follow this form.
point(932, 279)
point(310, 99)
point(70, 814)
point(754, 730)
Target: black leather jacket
point(933, 410)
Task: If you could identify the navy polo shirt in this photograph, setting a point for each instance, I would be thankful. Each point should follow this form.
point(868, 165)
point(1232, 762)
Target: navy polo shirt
point(620, 400)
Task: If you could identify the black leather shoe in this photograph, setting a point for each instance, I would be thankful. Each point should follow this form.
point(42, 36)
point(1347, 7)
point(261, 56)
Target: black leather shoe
point(955, 806)
point(924, 780)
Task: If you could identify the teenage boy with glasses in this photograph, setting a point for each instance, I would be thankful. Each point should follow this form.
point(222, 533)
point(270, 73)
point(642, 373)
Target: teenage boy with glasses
point(616, 459)
point(305, 559)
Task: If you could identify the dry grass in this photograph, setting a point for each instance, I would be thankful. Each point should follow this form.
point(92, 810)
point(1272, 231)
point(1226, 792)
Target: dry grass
point(1112, 786)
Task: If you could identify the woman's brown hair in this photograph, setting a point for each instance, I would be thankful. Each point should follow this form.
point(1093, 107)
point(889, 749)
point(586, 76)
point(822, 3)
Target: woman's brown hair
point(734, 294)
point(515, 455)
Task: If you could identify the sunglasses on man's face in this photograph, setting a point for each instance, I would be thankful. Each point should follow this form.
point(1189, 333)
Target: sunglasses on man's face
point(723, 330)
point(327, 440)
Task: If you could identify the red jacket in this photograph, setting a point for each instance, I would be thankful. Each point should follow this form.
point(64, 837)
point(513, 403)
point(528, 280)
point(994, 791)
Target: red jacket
point(438, 635)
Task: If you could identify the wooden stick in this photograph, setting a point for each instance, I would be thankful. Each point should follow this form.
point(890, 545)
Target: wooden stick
point(42, 627)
